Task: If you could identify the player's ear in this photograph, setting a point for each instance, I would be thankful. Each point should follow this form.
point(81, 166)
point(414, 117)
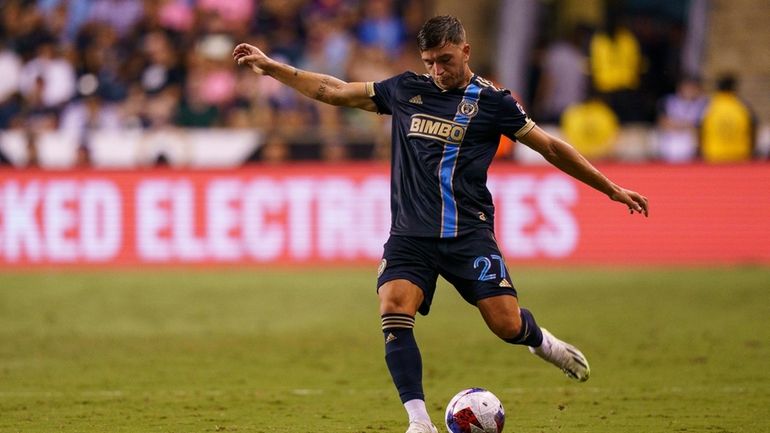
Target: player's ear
point(466, 51)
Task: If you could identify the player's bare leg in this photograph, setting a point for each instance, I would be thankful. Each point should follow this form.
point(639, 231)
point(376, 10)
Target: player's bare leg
point(399, 301)
point(517, 326)
point(502, 315)
point(400, 296)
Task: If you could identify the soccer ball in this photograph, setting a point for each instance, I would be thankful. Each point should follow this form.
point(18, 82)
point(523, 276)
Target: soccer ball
point(475, 410)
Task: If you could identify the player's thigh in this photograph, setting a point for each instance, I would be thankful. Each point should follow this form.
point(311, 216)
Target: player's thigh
point(474, 265)
point(407, 273)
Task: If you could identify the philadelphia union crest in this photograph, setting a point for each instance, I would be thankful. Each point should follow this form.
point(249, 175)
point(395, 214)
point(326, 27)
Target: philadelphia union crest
point(468, 108)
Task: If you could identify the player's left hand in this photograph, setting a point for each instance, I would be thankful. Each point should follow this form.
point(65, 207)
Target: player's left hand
point(635, 201)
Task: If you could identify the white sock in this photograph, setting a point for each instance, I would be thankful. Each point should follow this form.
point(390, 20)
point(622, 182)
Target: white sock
point(417, 411)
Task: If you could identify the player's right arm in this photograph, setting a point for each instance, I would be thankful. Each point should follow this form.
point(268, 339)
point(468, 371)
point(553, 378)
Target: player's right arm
point(320, 87)
point(514, 122)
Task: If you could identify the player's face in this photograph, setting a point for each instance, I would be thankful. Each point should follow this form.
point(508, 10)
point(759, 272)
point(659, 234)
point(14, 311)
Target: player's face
point(448, 65)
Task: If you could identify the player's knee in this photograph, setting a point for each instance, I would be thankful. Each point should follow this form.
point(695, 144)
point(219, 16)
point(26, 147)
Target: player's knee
point(506, 327)
point(391, 304)
point(399, 298)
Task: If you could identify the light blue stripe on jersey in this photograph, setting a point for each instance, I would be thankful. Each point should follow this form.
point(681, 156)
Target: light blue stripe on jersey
point(447, 168)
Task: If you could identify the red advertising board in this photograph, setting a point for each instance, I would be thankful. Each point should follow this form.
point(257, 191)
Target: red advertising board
point(322, 214)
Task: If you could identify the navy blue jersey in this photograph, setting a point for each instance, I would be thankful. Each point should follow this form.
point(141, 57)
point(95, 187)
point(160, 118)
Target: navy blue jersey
point(443, 144)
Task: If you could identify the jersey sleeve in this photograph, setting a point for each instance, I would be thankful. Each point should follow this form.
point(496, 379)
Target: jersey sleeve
point(512, 120)
point(383, 93)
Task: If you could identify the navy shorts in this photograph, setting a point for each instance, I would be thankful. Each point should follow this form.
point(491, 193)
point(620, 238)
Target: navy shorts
point(472, 263)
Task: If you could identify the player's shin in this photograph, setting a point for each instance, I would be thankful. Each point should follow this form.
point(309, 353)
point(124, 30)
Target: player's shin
point(405, 363)
point(530, 334)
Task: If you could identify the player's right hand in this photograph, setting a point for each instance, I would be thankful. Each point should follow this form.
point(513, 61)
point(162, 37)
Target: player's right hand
point(245, 54)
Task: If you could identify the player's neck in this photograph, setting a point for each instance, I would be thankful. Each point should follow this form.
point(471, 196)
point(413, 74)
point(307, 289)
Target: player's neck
point(467, 78)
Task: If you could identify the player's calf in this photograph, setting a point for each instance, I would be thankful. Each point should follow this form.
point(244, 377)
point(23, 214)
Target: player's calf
point(528, 333)
point(405, 366)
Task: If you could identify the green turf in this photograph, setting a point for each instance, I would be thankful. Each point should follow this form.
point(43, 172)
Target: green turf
point(671, 350)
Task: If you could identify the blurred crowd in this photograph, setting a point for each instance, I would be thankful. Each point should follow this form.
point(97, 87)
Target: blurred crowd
point(626, 77)
point(82, 65)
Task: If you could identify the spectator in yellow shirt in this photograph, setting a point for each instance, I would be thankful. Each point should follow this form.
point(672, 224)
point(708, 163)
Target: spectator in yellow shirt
point(616, 64)
point(591, 127)
point(727, 126)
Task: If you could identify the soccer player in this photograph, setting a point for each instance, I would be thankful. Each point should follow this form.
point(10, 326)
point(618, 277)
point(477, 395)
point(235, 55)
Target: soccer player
point(446, 128)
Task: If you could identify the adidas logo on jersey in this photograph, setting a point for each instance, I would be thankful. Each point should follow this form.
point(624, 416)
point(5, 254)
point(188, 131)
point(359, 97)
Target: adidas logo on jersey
point(416, 100)
point(505, 283)
point(390, 338)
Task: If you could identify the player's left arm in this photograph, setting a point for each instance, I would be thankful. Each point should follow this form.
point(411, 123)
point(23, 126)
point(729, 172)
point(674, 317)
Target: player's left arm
point(563, 156)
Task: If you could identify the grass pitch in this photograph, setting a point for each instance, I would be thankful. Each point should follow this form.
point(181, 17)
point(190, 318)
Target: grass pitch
point(297, 351)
